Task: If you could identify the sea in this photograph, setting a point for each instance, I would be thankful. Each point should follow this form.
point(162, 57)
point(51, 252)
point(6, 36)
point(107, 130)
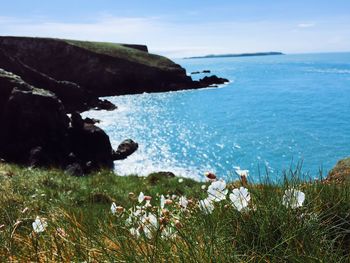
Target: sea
point(277, 113)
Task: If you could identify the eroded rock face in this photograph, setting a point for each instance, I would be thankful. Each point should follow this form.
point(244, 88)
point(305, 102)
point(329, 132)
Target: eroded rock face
point(340, 172)
point(89, 143)
point(34, 118)
point(72, 95)
point(36, 131)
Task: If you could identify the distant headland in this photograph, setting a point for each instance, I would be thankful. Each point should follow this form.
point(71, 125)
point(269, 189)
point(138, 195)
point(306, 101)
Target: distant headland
point(239, 55)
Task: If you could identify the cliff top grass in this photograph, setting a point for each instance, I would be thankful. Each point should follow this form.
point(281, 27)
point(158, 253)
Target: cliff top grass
point(78, 224)
point(124, 52)
point(121, 51)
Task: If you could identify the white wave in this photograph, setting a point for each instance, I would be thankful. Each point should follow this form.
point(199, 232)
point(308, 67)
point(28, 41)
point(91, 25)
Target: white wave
point(237, 146)
point(329, 71)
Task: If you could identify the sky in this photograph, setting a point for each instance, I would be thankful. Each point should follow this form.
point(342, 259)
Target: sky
point(180, 28)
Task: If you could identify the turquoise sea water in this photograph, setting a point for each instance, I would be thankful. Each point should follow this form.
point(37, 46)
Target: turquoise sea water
point(276, 110)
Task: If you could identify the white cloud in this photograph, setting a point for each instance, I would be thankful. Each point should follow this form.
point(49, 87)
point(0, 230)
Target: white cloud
point(306, 25)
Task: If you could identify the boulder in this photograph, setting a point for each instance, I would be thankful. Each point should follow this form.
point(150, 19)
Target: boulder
point(74, 169)
point(33, 118)
point(89, 143)
point(8, 81)
point(155, 178)
point(126, 148)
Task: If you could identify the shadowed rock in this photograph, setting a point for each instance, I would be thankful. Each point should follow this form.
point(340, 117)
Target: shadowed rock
point(126, 148)
point(72, 95)
point(32, 118)
point(35, 130)
point(212, 80)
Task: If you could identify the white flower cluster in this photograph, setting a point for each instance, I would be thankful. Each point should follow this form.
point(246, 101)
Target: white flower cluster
point(217, 192)
point(240, 197)
point(143, 219)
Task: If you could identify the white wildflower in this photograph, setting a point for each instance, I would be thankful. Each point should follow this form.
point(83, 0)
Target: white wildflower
point(162, 201)
point(168, 232)
point(141, 197)
point(149, 224)
point(180, 180)
point(206, 206)
point(39, 225)
point(183, 202)
point(217, 191)
point(135, 232)
point(240, 198)
point(293, 198)
point(113, 208)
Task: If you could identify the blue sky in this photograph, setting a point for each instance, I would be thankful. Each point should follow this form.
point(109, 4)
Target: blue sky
point(185, 28)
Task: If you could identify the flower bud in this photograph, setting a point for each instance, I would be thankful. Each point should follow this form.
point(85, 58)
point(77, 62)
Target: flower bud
point(120, 209)
point(168, 202)
point(165, 212)
point(210, 175)
point(148, 198)
point(178, 224)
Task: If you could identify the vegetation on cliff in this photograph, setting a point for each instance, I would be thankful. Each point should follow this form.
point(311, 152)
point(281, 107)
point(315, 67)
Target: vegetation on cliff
point(46, 215)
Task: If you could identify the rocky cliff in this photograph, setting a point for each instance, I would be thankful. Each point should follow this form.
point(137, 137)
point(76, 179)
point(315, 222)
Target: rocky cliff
point(100, 69)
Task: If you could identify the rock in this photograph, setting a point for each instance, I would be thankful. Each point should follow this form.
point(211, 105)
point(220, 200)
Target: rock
point(71, 94)
point(195, 72)
point(91, 120)
point(77, 121)
point(341, 172)
point(31, 118)
point(126, 148)
point(74, 169)
point(90, 143)
point(37, 157)
point(206, 71)
point(212, 80)
point(154, 178)
point(166, 174)
point(8, 81)
point(105, 105)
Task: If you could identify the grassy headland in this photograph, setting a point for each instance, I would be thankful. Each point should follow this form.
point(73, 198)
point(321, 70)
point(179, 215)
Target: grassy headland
point(81, 227)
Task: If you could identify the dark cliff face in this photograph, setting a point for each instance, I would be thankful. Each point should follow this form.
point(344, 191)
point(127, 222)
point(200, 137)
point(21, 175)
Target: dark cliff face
point(100, 68)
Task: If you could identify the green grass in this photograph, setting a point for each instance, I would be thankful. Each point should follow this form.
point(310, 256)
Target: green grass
point(269, 232)
point(123, 52)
